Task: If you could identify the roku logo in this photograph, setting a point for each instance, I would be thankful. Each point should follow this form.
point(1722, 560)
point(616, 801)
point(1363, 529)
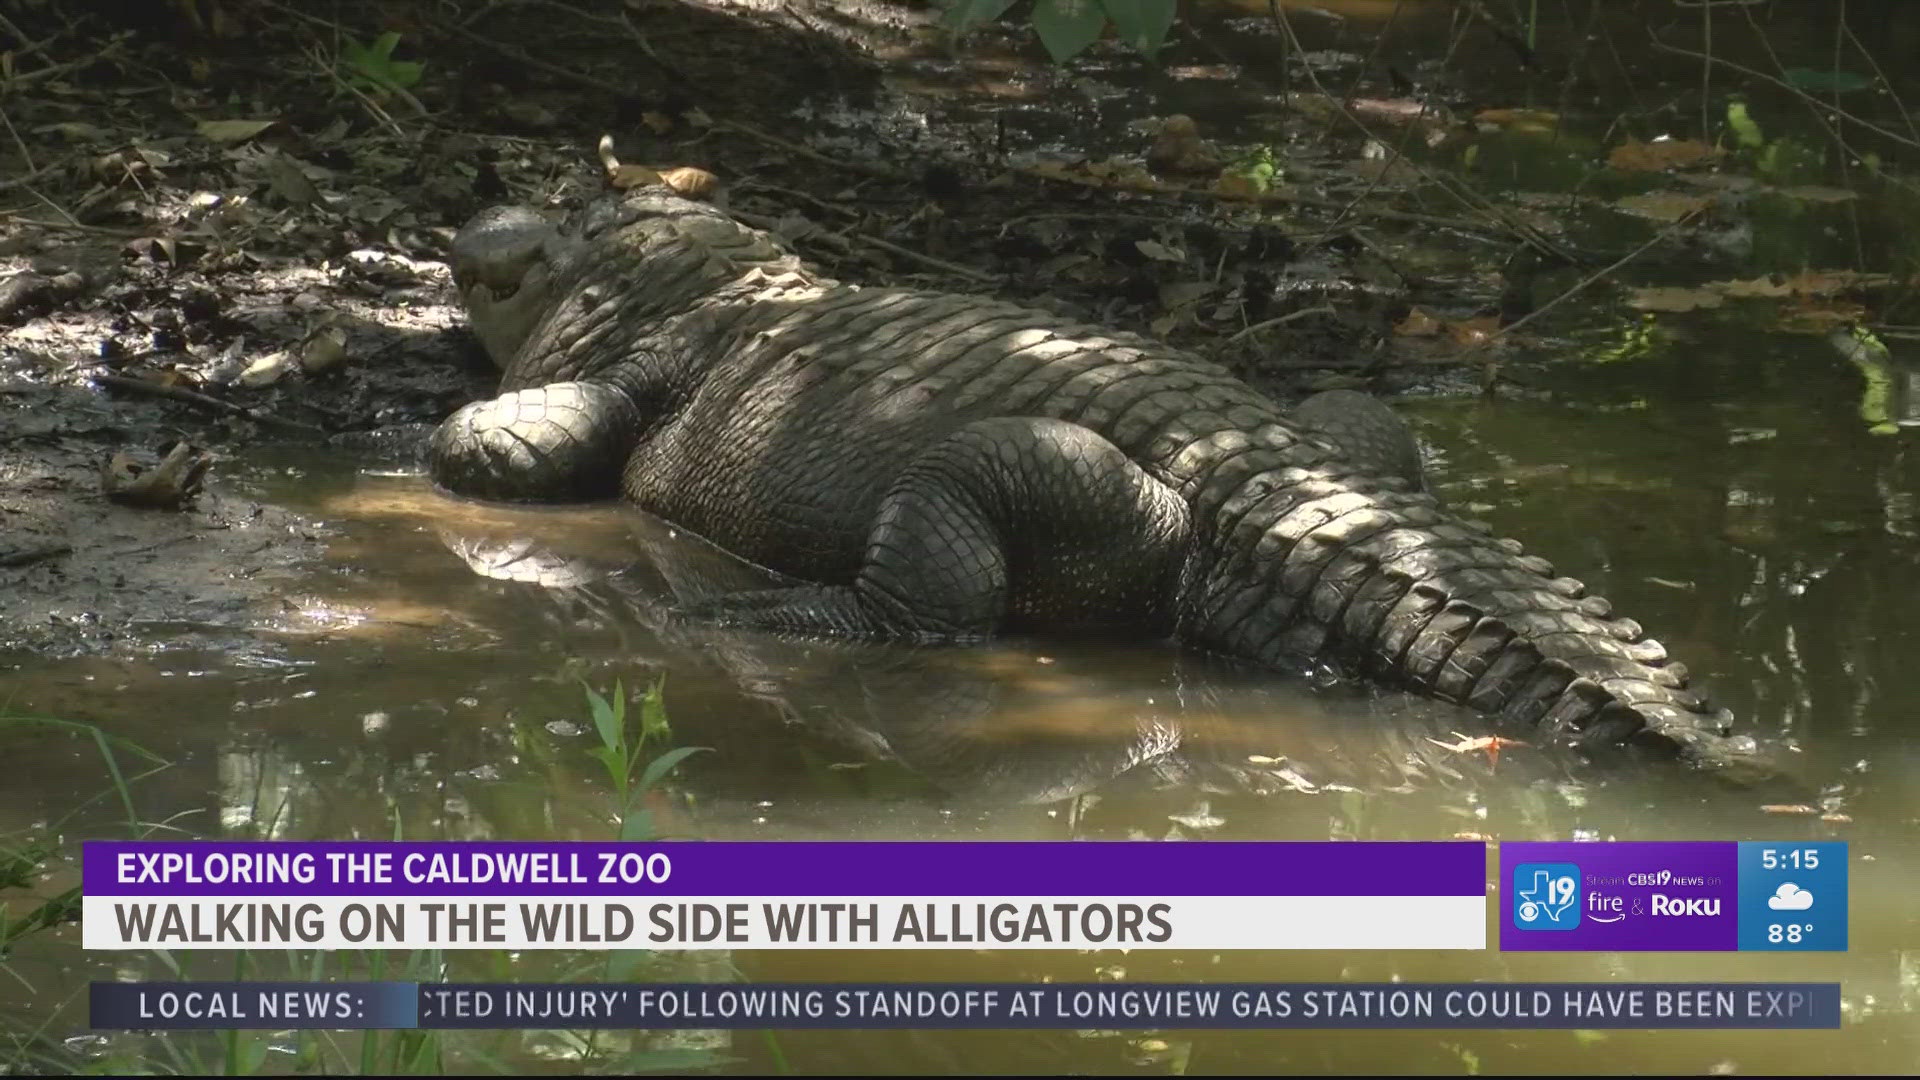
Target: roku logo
point(1673, 905)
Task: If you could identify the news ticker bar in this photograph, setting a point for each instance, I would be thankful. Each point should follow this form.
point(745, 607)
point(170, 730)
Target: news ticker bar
point(366, 1005)
point(1612, 896)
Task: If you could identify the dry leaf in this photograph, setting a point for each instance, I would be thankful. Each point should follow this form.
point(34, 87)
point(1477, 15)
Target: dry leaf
point(1473, 331)
point(266, 370)
point(1675, 300)
point(289, 181)
point(1417, 324)
point(657, 122)
point(1663, 206)
point(1180, 149)
point(623, 177)
point(1662, 154)
point(165, 486)
point(1817, 193)
point(1154, 249)
point(1518, 119)
point(324, 351)
point(1183, 294)
point(233, 131)
point(1795, 808)
point(1237, 185)
point(689, 182)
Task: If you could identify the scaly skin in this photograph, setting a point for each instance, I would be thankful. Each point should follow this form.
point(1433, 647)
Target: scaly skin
point(944, 467)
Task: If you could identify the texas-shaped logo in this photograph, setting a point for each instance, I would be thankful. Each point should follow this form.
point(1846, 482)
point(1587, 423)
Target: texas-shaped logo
point(1546, 896)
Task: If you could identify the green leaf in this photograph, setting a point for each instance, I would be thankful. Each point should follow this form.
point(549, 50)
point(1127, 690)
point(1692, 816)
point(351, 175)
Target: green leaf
point(663, 764)
point(383, 46)
point(1744, 127)
point(964, 15)
point(1143, 24)
point(1067, 27)
point(405, 73)
point(614, 761)
point(636, 825)
point(653, 713)
point(604, 722)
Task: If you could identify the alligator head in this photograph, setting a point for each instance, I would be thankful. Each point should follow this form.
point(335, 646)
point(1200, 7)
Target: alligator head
point(504, 263)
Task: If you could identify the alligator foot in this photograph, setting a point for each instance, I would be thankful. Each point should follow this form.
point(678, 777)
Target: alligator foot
point(560, 442)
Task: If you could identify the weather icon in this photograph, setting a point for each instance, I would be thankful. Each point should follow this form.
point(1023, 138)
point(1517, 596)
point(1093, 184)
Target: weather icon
point(1790, 897)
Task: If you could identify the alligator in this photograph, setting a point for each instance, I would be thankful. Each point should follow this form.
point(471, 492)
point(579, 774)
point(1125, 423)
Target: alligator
point(935, 466)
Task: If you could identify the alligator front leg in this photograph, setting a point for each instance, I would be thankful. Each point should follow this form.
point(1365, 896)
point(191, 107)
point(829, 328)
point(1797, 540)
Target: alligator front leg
point(565, 441)
point(1005, 523)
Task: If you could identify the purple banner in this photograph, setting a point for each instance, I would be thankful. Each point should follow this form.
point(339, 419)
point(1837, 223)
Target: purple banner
point(541, 868)
point(1671, 896)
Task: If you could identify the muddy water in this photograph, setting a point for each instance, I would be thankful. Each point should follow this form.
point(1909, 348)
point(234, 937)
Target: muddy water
point(1770, 543)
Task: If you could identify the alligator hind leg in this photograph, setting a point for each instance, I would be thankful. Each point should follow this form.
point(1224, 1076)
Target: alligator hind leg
point(561, 442)
point(1004, 523)
point(1368, 433)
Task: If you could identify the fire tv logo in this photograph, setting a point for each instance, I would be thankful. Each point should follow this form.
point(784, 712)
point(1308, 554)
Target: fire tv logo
point(1546, 896)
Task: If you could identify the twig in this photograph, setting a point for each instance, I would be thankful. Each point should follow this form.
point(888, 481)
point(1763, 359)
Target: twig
point(1467, 196)
point(1813, 102)
point(518, 56)
point(142, 386)
point(25, 154)
point(1493, 368)
point(1884, 81)
point(102, 230)
point(909, 253)
point(761, 185)
point(379, 114)
point(33, 553)
point(51, 70)
point(1281, 320)
point(876, 171)
point(22, 181)
point(1287, 198)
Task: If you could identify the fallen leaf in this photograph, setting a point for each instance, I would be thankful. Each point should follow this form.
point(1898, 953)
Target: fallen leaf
point(233, 131)
point(657, 122)
point(1675, 299)
point(1154, 249)
point(1794, 808)
point(1238, 185)
point(166, 486)
point(1182, 294)
point(1805, 283)
point(689, 182)
point(1417, 324)
point(1663, 206)
point(1520, 119)
point(1822, 316)
point(289, 181)
point(1473, 331)
point(1817, 193)
point(1662, 154)
point(623, 177)
point(324, 351)
point(1180, 149)
point(266, 370)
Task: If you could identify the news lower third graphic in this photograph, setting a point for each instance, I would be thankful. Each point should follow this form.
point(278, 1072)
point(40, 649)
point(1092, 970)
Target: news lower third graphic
point(805, 895)
point(1692, 896)
point(284, 1006)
